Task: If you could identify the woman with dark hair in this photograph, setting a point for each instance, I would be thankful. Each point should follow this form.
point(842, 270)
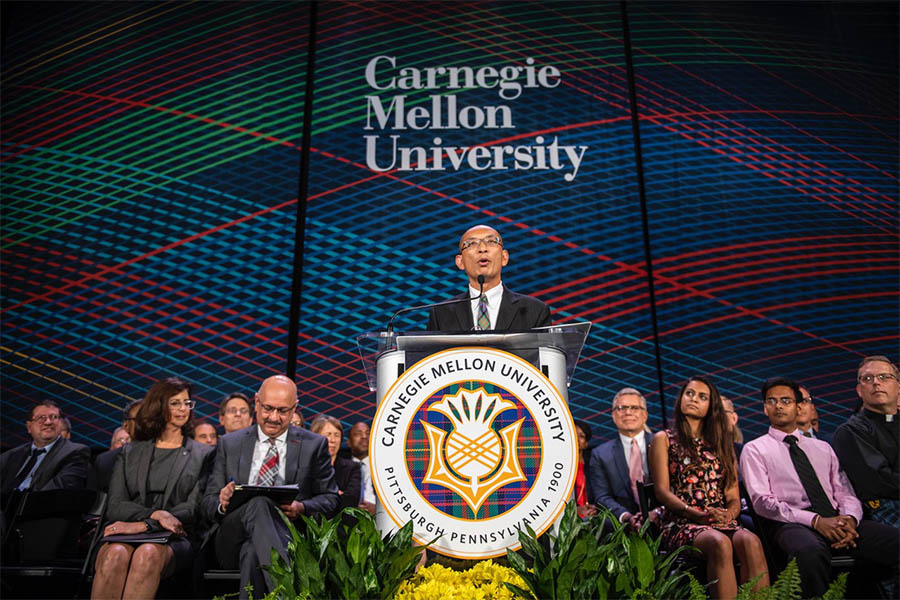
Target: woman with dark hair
point(156, 487)
point(695, 479)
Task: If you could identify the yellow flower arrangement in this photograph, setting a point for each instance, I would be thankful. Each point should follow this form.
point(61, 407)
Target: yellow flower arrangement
point(484, 581)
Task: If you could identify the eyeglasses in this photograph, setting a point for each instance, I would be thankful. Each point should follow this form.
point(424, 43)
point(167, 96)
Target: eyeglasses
point(177, 404)
point(493, 241)
point(882, 377)
point(625, 408)
point(43, 418)
point(282, 411)
point(237, 411)
point(784, 401)
point(804, 400)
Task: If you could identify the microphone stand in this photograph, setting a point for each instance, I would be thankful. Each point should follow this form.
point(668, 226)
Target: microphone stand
point(390, 327)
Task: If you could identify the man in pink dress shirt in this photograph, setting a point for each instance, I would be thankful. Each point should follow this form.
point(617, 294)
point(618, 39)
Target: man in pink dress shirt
point(808, 519)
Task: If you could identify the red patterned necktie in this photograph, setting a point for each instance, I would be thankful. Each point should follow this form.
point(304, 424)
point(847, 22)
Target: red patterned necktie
point(269, 468)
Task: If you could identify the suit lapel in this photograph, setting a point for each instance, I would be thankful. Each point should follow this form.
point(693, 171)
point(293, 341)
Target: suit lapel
point(621, 465)
point(245, 456)
point(507, 310)
point(293, 457)
point(463, 313)
point(180, 461)
point(145, 453)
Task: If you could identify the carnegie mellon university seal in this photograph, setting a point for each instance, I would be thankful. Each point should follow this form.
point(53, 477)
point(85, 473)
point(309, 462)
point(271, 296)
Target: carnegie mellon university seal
point(471, 444)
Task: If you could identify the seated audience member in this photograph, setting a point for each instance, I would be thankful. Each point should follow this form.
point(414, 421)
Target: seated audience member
point(234, 412)
point(347, 473)
point(120, 437)
point(65, 428)
point(808, 417)
point(297, 419)
point(156, 487)
point(48, 461)
point(796, 484)
point(129, 415)
point(206, 433)
point(867, 444)
point(695, 476)
point(102, 469)
point(271, 453)
point(617, 465)
point(358, 443)
point(731, 416)
point(583, 496)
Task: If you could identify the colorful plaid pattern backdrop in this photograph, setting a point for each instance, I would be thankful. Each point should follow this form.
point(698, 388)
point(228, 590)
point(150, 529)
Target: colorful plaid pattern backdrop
point(151, 160)
point(529, 454)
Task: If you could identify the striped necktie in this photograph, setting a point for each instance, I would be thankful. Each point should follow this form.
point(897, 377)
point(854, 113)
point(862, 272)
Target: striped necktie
point(269, 469)
point(484, 320)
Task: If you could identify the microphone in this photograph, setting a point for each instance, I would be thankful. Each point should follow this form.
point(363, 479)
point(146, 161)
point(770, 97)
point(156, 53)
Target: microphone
point(390, 327)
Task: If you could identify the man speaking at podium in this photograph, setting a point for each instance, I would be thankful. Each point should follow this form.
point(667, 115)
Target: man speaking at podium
point(493, 305)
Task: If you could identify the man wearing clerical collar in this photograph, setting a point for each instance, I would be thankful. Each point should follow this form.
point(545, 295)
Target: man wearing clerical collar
point(868, 445)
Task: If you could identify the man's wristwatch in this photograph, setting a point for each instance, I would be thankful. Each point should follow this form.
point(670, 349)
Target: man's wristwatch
point(148, 523)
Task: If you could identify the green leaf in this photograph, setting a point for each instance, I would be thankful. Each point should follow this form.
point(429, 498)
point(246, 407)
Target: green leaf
point(602, 587)
point(642, 560)
point(519, 592)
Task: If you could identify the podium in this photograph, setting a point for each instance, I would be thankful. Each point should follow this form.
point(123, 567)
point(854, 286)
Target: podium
point(554, 350)
point(472, 438)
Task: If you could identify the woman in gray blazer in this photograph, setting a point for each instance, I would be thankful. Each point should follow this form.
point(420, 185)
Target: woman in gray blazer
point(156, 487)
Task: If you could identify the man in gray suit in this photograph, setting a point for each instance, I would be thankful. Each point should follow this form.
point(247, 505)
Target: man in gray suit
point(617, 464)
point(270, 453)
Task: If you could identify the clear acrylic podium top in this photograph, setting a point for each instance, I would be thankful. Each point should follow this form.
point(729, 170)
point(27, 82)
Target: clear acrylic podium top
point(568, 338)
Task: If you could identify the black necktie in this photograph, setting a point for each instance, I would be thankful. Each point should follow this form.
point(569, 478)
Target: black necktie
point(807, 434)
point(818, 499)
point(20, 477)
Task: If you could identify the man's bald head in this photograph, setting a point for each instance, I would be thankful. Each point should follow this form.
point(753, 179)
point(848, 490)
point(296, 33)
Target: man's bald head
point(481, 253)
point(275, 402)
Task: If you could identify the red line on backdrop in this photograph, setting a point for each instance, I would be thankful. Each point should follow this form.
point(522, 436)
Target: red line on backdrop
point(787, 82)
point(350, 379)
point(725, 318)
point(669, 94)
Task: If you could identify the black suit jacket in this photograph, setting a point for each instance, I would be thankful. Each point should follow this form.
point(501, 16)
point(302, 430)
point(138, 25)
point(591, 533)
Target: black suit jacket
point(102, 469)
point(307, 464)
point(609, 477)
point(64, 467)
point(517, 311)
point(348, 476)
point(128, 484)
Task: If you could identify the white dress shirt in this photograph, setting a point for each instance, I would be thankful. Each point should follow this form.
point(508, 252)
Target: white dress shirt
point(642, 444)
point(368, 490)
point(259, 455)
point(494, 296)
